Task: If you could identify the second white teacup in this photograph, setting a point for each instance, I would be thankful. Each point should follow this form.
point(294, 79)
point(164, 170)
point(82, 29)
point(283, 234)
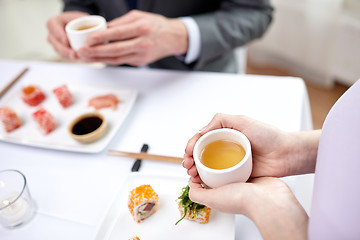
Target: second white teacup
point(79, 29)
point(218, 177)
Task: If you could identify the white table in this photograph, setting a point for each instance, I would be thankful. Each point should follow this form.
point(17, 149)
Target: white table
point(74, 190)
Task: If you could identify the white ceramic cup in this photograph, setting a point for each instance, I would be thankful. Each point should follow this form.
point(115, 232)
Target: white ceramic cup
point(77, 38)
point(218, 177)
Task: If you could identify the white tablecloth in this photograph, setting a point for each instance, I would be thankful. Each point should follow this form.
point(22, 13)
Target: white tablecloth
point(74, 190)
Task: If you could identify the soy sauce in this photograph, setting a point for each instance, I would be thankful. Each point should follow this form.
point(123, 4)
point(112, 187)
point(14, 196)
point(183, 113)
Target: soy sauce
point(87, 125)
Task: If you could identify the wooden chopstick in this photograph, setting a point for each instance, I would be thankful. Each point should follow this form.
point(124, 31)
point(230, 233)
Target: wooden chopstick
point(2, 93)
point(147, 156)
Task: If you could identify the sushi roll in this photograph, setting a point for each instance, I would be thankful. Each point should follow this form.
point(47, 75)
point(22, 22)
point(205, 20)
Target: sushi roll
point(45, 120)
point(9, 118)
point(190, 210)
point(143, 202)
point(200, 215)
point(32, 95)
point(63, 95)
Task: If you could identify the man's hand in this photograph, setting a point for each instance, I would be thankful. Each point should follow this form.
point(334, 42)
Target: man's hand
point(137, 38)
point(57, 36)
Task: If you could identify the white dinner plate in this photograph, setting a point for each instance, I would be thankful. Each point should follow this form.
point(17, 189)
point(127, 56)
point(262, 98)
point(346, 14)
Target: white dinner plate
point(118, 223)
point(30, 133)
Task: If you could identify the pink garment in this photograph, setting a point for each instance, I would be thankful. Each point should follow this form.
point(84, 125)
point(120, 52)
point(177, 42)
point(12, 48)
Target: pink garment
point(335, 211)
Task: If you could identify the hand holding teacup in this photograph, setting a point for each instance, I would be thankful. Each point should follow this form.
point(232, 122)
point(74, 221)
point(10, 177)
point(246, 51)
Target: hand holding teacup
point(60, 39)
point(57, 36)
point(270, 147)
point(223, 156)
point(79, 29)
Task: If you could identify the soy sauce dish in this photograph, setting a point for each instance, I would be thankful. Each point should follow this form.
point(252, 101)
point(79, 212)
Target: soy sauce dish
point(88, 127)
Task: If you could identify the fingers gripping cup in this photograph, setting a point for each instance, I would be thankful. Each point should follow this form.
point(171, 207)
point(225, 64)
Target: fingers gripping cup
point(79, 29)
point(223, 156)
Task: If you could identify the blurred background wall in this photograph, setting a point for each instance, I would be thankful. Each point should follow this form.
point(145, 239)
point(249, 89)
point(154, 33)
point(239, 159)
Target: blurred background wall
point(23, 33)
point(317, 39)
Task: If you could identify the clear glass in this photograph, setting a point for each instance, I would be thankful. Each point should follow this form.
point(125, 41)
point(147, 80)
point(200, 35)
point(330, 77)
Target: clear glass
point(16, 204)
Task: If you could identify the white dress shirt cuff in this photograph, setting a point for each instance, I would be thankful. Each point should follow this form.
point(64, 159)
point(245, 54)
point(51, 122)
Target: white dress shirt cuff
point(194, 48)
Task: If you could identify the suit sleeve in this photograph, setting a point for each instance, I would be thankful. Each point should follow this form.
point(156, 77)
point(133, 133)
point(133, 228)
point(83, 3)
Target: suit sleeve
point(87, 6)
point(235, 24)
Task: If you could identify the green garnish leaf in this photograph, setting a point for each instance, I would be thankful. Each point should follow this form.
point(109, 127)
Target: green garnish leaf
point(187, 204)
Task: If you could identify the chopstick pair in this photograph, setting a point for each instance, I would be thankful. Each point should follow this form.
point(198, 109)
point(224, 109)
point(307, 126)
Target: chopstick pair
point(7, 87)
point(143, 155)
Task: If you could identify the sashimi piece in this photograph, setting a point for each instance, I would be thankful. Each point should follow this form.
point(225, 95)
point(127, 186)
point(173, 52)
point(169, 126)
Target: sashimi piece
point(9, 118)
point(45, 120)
point(63, 95)
point(109, 100)
point(32, 95)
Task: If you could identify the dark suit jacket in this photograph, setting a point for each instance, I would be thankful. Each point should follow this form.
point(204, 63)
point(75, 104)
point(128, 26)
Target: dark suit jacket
point(224, 25)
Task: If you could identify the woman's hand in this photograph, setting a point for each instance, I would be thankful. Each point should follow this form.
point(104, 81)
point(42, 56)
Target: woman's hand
point(268, 202)
point(275, 153)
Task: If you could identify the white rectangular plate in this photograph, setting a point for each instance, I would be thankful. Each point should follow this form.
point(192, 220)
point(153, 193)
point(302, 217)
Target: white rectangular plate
point(30, 133)
point(118, 222)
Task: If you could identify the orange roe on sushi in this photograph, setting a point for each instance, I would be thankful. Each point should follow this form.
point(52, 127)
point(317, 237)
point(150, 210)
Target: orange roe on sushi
point(143, 202)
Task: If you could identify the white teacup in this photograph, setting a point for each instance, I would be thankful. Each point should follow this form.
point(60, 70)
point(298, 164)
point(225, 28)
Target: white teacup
point(218, 177)
point(79, 29)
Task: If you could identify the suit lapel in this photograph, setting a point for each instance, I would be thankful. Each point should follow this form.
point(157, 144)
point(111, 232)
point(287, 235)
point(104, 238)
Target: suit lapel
point(146, 5)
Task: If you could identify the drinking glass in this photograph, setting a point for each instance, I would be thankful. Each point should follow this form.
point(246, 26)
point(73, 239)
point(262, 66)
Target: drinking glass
point(16, 204)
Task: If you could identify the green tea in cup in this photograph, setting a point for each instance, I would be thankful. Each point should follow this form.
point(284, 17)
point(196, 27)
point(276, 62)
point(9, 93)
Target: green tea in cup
point(222, 154)
point(81, 28)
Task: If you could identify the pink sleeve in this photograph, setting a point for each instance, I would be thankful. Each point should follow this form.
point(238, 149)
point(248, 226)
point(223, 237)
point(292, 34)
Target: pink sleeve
point(335, 211)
